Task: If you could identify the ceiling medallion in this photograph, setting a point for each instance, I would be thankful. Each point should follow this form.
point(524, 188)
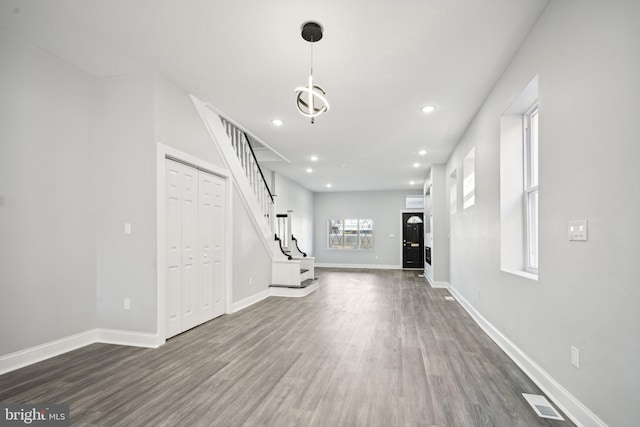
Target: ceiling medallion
point(311, 100)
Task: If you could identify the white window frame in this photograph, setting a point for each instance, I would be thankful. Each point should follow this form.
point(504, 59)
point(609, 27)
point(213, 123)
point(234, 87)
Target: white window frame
point(531, 159)
point(359, 237)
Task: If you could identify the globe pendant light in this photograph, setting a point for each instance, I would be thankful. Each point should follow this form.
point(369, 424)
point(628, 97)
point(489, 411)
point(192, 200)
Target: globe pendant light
point(311, 100)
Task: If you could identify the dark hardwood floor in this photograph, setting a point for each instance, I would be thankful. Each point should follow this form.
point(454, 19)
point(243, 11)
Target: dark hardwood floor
point(370, 348)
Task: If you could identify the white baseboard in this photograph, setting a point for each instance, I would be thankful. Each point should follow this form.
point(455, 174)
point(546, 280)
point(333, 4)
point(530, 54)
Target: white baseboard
point(135, 339)
point(371, 266)
point(569, 404)
point(434, 284)
point(246, 302)
point(29, 356)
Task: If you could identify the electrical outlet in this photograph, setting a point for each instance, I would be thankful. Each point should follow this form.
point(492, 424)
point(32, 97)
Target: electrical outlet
point(575, 357)
point(250, 280)
point(127, 228)
point(127, 304)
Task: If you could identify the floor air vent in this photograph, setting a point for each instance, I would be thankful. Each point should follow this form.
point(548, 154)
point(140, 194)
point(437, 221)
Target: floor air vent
point(542, 407)
point(449, 298)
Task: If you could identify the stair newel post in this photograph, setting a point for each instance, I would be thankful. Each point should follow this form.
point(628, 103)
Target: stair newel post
point(289, 229)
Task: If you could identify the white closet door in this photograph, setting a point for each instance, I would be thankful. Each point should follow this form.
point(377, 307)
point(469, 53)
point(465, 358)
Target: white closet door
point(195, 276)
point(206, 246)
point(173, 274)
point(218, 251)
point(190, 283)
point(212, 197)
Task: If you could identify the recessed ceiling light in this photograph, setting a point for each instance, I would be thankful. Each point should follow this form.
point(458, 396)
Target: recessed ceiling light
point(328, 185)
point(427, 109)
point(422, 152)
point(313, 158)
point(416, 165)
point(412, 182)
point(277, 122)
point(309, 170)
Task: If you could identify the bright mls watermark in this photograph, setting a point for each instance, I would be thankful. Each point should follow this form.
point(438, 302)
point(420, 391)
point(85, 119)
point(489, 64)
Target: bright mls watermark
point(34, 415)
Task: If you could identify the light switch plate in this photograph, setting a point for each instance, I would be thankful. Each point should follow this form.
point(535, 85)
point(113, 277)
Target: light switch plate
point(578, 230)
point(127, 228)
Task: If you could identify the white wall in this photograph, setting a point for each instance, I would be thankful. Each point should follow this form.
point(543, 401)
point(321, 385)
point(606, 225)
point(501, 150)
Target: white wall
point(292, 196)
point(251, 259)
point(588, 293)
point(383, 207)
point(125, 190)
point(178, 124)
point(47, 214)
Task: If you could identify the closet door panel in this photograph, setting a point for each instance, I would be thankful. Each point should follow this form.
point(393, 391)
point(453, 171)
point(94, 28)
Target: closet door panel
point(173, 273)
point(218, 247)
point(189, 247)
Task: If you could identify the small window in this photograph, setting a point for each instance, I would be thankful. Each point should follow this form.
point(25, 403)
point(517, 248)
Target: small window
point(350, 234)
point(519, 196)
point(469, 181)
point(531, 188)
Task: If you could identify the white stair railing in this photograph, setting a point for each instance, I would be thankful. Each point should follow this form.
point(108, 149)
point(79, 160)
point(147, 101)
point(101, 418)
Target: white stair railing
point(246, 156)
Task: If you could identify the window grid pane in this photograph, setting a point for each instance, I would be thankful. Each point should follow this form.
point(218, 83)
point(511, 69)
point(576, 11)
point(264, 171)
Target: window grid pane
point(533, 150)
point(336, 240)
point(531, 190)
point(532, 229)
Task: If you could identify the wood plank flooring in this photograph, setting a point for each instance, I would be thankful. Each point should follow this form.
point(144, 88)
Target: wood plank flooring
point(370, 348)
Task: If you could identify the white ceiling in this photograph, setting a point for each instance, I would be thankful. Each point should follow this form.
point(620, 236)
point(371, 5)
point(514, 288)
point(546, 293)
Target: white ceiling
point(380, 61)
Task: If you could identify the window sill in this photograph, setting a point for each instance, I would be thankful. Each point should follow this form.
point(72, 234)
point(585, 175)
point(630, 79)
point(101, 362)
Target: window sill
point(521, 273)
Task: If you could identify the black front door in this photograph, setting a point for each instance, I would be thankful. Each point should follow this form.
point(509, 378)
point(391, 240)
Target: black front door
point(412, 240)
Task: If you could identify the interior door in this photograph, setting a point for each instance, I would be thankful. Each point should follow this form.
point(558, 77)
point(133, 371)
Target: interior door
point(219, 299)
point(412, 240)
point(195, 230)
point(190, 285)
point(173, 274)
point(212, 276)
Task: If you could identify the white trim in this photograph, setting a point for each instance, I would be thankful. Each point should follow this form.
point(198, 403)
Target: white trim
point(569, 404)
point(162, 152)
point(521, 273)
point(440, 285)
point(246, 302)
point(135, 339)
point(434, 284)
point(275, 291)
point(20, 359)
point(372, 266)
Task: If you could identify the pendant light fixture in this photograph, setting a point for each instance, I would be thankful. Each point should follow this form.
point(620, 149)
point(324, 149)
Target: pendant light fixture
point(311, 100)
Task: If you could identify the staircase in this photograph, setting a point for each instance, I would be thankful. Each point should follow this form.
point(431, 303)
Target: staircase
point(292, 272)
point(296, 275)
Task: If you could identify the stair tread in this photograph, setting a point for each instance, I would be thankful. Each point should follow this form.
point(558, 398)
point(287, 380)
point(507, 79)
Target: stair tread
point(303, 270)
point(304, 284)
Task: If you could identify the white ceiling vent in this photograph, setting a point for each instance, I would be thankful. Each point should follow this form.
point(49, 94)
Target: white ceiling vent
point(542, 407)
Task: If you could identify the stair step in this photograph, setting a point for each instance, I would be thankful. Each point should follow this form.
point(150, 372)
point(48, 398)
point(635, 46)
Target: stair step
point(304, 284)
point(303, 270)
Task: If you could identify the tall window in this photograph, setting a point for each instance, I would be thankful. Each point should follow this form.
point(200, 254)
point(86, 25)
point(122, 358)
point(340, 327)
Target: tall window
point(350, 234)
point(531, 188)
